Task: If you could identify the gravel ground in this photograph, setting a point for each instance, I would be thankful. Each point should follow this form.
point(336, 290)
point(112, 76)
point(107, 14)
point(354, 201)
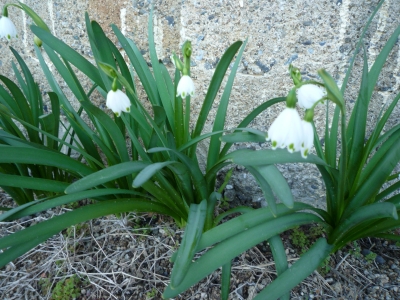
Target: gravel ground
point(127, 257)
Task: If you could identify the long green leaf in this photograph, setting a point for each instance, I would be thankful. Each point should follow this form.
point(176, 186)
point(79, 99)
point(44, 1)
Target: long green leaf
point(148, 172)
point(38, 233)
point(279, 254)
point(359, 44)
point(247, 157)
point(259, 175)
point(70, 55)
point(40, 184)
point(299, 271)
point(198, 178)
point(33, 94)
point(213, 88)
point(242, 223)
point(46, 203)
point(380, 60)
point(278, 184)
point(9, 154)
point(165, 96)
point(112, 129)
point(251, 116)
point(106, 175)
point(140, 66)
point(219, 121)
point(357, 126)
point(362, 214)
point(187, 250)
point(225, 280)
point(222, 253)
point(372, 183)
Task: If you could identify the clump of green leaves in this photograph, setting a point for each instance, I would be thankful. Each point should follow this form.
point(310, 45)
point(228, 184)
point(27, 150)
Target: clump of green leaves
point(370, 257)
point(357, 164)
point(303, 237)
point(299, 239)
point(153, 293)
point(45, 285)
point(155, 171)
point(67, 289)
point(355, 250)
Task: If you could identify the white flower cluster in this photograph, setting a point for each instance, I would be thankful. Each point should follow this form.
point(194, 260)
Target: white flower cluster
point(7, 28)
point(289, 130)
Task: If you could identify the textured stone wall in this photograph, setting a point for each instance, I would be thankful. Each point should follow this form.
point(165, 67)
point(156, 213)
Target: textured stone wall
point(311, 34)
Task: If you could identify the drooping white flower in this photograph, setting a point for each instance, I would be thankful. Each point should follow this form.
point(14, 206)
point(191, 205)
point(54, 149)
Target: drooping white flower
point(308, 138)
point(118, 102)
point(308, 94)
point(185, 87)
point(7, 28)
point(286, 131)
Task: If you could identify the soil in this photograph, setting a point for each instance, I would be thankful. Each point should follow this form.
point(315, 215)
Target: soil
point(128, 257)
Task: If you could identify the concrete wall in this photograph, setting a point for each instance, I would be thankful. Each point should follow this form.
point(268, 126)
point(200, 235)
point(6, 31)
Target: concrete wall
point(311, 34)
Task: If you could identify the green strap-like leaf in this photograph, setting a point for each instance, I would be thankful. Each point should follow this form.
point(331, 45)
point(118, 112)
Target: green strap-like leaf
point(251, 116)
point(106, 175)
point(245, 221)
point(259, 174)
point(165, 96)
point(9, 154)
point(140, 66)
point(44, 204)
point(225, 251)
point(362, 214)
point(387, 158)
point(40, 184)
point(247, 157)
point(36, 234)
point(70, 55)
point(225, 280)
point(148, 172)
point(198, 178)
point(299, 271)
point(213, 88)
point(278, 184)
point(219, 121)
point(279, 254)
point(191, 237)
point(356, 128)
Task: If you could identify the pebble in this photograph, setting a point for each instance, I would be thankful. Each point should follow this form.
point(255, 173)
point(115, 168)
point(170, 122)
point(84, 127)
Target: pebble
point(380, 260)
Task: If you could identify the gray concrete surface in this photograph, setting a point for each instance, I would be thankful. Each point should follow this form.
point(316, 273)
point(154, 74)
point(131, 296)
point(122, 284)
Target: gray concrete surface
point(311, 34)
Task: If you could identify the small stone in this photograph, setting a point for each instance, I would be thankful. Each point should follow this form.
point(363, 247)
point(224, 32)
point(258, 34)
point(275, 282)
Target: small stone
point(380, 260)
point(365, 252)
point(337, 287)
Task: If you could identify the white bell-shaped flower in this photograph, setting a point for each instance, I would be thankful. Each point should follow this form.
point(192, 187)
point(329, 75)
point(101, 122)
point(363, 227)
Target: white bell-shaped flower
point(118, 102)
point(185, 87)
point(308, 94)
point(308, 138)
point(286, 131)
point(7, 28)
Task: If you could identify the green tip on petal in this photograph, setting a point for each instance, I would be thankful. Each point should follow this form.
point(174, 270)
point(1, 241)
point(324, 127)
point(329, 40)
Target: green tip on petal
point(274, 144)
